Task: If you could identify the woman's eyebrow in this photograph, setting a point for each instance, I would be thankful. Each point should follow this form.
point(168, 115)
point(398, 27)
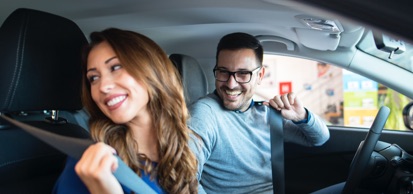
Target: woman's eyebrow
point(110, 59)
point(91, 69)
point(106, 62)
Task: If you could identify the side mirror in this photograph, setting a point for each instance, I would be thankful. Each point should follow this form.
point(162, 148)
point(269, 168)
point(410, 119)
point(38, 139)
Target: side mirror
point(408, 115)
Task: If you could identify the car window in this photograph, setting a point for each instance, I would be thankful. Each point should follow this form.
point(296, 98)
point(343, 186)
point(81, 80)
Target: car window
point(340, 97)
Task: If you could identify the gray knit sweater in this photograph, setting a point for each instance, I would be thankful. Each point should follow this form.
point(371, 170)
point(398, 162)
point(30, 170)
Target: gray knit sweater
point(233, 150)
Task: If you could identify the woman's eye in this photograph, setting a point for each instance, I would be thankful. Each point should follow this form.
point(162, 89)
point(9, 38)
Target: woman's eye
point(92, 78)
point(116, 67)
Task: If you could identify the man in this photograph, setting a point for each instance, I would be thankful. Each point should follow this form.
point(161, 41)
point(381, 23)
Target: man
point(233, 144)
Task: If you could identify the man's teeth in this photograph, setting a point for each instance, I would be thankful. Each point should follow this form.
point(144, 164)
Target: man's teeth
point(116, 100)
point(237, 92)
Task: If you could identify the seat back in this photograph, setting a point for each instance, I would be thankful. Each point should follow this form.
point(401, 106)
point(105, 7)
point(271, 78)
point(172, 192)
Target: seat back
point(194, 80)
point(40, 75)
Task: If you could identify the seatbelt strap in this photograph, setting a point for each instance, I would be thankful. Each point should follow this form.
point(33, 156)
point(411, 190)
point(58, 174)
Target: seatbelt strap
point(75, 147)
point(277, 151)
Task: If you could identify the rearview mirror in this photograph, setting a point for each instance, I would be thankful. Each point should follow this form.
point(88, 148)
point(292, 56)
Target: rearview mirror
point(388, 44)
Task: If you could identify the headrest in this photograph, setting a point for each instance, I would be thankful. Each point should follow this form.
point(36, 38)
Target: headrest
point(194, 80)
point(40, 63)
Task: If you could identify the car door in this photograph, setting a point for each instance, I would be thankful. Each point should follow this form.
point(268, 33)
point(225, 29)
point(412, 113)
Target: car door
point(347, 102)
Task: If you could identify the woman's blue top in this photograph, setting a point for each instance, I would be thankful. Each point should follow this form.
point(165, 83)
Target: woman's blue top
point(69, 182)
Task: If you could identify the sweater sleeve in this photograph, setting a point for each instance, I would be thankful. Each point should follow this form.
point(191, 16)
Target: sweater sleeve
point(203, 140)
point(312, 133)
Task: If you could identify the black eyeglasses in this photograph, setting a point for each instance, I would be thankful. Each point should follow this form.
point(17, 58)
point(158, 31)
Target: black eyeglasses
point(240, 76)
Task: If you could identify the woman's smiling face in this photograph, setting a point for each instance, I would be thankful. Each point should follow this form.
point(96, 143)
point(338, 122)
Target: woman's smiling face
point(117, 94)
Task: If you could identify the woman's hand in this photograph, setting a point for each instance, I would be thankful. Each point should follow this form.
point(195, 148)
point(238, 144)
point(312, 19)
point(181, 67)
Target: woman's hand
point(96, 168)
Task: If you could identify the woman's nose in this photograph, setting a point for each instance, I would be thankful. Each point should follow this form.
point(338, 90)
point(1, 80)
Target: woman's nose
point(106, 84)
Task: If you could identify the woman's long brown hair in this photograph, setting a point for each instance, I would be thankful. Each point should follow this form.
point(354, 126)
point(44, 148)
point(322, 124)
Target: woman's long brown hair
point(144, 60)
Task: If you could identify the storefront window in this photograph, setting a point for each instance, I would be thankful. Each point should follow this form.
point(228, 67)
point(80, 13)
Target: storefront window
point(339, 96)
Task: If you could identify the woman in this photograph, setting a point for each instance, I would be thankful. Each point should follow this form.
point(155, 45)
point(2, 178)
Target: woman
point(137, 111)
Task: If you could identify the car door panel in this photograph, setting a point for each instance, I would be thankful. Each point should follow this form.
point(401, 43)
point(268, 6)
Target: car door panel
point(312, 168)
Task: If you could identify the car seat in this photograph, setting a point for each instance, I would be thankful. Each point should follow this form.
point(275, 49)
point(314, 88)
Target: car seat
point(194, 80)
point(40, 77)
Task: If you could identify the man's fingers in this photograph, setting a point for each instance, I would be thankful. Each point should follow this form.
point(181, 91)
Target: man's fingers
point(285, 101)
point(291, 98)
point(277, 103)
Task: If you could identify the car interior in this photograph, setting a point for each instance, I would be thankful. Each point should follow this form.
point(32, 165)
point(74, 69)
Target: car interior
point(41, 71)
point(193, 77)
point(40, 78)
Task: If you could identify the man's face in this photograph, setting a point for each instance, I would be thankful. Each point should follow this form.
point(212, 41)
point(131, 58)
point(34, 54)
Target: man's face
point(234, 95)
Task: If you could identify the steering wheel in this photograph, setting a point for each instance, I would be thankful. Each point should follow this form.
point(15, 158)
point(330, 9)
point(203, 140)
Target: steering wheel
point(364, 151)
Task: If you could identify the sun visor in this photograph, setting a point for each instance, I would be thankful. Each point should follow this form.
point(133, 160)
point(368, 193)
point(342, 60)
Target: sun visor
point(318, 40)
point(318, 33)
